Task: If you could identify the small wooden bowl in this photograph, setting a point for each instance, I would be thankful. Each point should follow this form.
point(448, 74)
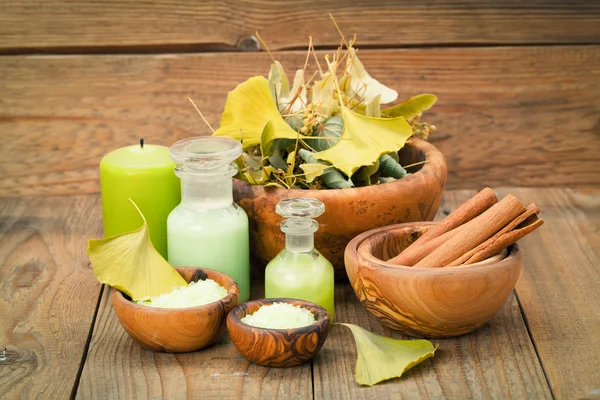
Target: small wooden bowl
point(427, 302)
point(278, 347)
point(178, 330)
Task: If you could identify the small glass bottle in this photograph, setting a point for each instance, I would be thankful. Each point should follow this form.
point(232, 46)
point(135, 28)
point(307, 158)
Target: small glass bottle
point(299, 271)
point(207, 229)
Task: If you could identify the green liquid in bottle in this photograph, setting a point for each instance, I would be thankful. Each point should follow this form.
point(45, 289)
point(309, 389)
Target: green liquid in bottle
point(299, 271)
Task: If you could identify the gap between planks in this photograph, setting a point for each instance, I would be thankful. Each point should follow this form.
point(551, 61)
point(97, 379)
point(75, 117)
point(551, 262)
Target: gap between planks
point(202, 48)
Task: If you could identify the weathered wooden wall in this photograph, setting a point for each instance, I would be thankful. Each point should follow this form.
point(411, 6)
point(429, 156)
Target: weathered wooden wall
point(518, 81)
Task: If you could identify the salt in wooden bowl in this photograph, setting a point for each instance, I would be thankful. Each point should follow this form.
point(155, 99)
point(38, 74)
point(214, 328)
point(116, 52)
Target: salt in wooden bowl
point(427, 302)
point(278, 347)
point(177, 330)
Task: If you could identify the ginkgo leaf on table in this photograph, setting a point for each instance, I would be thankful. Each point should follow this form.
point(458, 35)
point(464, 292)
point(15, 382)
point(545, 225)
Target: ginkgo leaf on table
point(364, 140)
point(379, 358)
point(250, 110)
point(129, 263)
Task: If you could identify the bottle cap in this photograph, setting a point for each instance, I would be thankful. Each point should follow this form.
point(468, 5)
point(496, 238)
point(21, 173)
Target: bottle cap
point(301, 207)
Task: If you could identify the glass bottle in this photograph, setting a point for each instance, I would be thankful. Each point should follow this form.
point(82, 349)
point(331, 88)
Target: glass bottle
point(299, 271)
point(207, 229)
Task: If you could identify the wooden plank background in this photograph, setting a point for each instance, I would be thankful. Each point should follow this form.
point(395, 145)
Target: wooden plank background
point(129, 25)
point(520, 116)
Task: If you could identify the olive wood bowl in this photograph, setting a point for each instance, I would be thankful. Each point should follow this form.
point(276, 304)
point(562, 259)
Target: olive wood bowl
point(348, 212)
point(178, 330)
point(427, 302)
point(278, 347)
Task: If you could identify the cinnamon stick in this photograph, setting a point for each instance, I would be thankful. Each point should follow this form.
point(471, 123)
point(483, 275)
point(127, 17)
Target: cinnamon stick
point(508, 238)
point(427, 242)
point(489, 245)
point(474, 232)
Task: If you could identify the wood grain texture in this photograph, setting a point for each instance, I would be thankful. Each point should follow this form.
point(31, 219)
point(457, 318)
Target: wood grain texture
point(73, 25)
point(178, 330)
point(348, 212)
point(117, 367)
point(559, 289)
point(278, 347)
point(48, 293)
point(429, 303)
point(521, 116)
point(496, 361)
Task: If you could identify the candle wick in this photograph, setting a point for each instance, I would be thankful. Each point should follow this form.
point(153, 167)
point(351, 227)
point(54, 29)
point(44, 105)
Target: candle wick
point(142, 143)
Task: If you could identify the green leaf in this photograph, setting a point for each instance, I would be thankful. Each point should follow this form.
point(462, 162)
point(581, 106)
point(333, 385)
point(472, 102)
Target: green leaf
point(411, 107)
point(312, 171)
point(331, 177)
point(361, 84)
point(362, 177)
point(277, 160)
point(364, 140)
point(330, 128)
point(251, 114)
point(380, 358)
point(129, 263)
point(390, 167)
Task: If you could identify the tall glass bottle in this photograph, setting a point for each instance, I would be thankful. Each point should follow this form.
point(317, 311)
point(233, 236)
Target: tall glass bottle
point(207, 229)
point(299, 271)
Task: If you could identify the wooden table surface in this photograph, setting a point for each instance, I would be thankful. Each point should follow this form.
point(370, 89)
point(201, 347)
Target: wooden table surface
point(60, 337)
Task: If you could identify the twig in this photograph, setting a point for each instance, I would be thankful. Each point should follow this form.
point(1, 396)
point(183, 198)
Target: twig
point(414, 164)
point(307, 53)
point(315, 56)
point(265, 46)
point(338, 29)
point(202, 116)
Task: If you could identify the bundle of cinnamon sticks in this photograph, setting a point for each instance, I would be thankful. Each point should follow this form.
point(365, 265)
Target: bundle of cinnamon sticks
point(480, 228)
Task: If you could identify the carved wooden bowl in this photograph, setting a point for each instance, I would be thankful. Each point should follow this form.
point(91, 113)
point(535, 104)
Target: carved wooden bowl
point(177, 330)
point(278, 347)
point(427, 302)
point(348, 212)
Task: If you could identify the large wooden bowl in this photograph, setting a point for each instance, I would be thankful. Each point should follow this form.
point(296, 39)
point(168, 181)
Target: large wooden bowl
point(177, 330)
point(278, 347)
point(427, 302)
point(348, 212)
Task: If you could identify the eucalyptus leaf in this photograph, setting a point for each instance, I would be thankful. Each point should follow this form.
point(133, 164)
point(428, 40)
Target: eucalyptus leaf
point(362, 177)
point(364, 140)
point(379, 358)
point(331, 177)
point(129, 263)
point(412, 107)
point(390, 167)
point(331, 128)
point(277, 161)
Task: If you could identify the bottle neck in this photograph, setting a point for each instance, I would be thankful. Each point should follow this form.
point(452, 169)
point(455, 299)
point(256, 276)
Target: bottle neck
point(299, 243)
point(206, 194)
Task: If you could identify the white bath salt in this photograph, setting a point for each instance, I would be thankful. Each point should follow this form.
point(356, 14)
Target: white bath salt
point(280, 316)
point(195, 294)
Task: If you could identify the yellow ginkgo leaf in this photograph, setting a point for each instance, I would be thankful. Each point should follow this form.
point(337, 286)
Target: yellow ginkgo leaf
point(312, 171)
point(130, 263)
point(364, 140)
point(362, 85)
point(248, 109)
point(379, 358)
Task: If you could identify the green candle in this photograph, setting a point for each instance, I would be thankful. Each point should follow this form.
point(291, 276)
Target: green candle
point(145, 174)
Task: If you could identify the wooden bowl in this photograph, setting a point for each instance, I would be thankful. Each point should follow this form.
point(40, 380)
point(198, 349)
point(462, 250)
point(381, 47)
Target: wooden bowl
point(278, 347)
point(177, 330)
point(348, 212)
point(427, 302)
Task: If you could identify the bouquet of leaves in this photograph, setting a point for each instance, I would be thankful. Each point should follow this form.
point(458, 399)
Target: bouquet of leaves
point(326, 133)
